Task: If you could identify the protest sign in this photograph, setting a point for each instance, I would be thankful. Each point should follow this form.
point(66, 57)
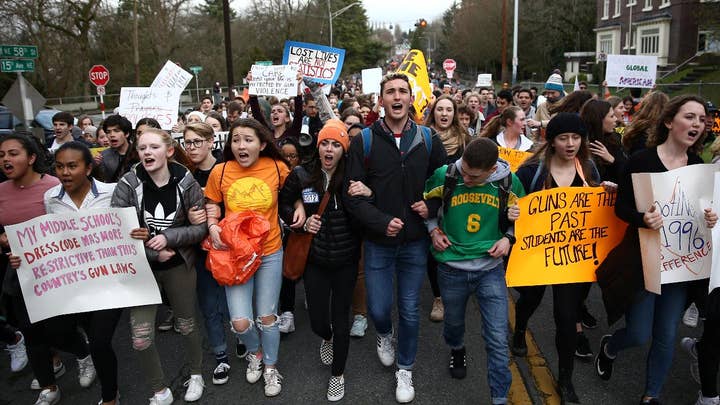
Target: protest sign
point(416, 70)
point(161, 103)
point(715, 272)
point(321, 63)
point(631, 71)
point(563, 234)
point(82, 261)
point(371, 79)
point(513, 156)
point(218, 143)
point(682, 249)
point(172, 76)
point(97, 151)
point(274, 80)
point(484, 80)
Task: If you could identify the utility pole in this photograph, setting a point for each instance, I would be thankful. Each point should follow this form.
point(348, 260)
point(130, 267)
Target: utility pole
point(515, 43)
point(228, 49)
point(136, 53)
point(503, 57)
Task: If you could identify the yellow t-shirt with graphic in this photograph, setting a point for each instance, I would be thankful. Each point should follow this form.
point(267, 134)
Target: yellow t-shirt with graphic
point(254, 188)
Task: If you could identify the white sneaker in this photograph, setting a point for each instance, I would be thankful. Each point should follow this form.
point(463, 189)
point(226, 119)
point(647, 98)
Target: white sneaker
point(336, 388)
point(18, 355)
point(221, 374)
point(86, 371)
point(691, 316)
point(161, 399)
point(254, 368)
point(690, 346)
point(58, 370)
point(706, 400)
point(404, 392)
point(48, 397)
point(287, 322)
point(195, 387)
point(272, 382)
point(385, 349)
point(359, 326)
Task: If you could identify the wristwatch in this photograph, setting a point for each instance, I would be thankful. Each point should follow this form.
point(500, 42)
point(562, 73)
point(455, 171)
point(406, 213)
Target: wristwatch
point(510, 237)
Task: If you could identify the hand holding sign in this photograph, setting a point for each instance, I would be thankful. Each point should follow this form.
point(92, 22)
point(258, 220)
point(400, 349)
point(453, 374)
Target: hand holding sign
point(710, 218)
point(652, 218)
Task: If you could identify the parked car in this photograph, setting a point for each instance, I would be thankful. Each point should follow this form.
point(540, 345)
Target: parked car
point(43, 119)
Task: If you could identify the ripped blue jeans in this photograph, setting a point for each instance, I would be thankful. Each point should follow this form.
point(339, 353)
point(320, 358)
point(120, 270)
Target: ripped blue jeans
point(265, 286)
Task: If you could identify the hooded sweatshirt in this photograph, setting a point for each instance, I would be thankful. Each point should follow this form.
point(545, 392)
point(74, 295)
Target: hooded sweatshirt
point(471, 220)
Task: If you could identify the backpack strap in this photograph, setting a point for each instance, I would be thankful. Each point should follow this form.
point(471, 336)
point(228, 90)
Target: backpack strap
point(427, 138)
point(533, 183)
point(505, 186)
point(449, 185)
point(367, 143)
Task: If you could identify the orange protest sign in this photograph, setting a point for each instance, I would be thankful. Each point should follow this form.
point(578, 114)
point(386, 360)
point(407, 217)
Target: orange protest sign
point(513, 156)
point(563, 234)
point(96, 151)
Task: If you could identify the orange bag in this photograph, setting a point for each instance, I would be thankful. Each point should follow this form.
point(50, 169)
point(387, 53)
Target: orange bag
point(244, 233)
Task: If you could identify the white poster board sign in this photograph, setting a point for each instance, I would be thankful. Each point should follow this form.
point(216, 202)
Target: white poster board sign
point(79, 262)
point(161, 103)
point(371, 80)
point(172, 76)
point(484, 80)
point(274, 80)
point(631, 71)
point(682, 249)
point(715, 273)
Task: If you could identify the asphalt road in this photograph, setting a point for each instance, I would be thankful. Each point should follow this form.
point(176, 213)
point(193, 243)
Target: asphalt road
point(368, 382)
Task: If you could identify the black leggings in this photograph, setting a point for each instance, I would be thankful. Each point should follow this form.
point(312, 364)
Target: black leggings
point(287, 295)
point(567, 301)
point(432, 275)
point(59, 332)
point(100, 328)
point(329, 294)
point(709, 356)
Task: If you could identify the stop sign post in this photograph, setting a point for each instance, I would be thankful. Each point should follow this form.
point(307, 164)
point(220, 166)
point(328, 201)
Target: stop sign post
point(100, 76)
point(449, 67)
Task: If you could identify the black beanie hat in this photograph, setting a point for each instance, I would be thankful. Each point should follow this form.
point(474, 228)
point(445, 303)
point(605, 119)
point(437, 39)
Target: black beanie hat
point(565, 123)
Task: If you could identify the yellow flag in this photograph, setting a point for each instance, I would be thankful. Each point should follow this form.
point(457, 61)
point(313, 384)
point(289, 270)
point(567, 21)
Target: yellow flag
point(416, 70)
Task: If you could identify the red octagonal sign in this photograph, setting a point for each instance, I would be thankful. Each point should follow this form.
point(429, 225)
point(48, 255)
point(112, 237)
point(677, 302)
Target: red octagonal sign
point(99, 75)
point(449, 64)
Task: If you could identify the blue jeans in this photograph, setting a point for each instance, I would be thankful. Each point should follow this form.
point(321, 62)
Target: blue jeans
point(408, 261)
point(655, 316)
point(213, 305)
point(265, 285)
point(489, 288)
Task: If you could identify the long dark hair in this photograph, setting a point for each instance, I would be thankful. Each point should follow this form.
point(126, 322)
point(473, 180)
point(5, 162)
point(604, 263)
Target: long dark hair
point(671, 109)
point(592, 115)
point(262, 132)
point(32, 147)
point(571, 103)
point(317, 177)
point(544, 155)
point(644, 121)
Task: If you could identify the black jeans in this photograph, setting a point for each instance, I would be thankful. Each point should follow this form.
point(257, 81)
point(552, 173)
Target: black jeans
point(432, 273)
point(59, 332)
point(567, 301)
point(100, 328)
point(329, 294)
point(708, 351)
point(287, 295)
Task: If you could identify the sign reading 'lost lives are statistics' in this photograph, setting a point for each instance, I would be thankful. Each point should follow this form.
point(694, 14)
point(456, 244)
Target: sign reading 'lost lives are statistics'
point(321, 63)
point(83, 261)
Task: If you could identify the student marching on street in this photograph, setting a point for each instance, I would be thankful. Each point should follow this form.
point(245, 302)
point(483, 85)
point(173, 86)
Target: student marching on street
point(163, 192)
point(677, 138)
point(400, 157)
point(79, 191)
point(470, 243)
point(253, 166)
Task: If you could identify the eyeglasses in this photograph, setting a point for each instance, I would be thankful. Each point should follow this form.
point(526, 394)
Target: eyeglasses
point(195, 144)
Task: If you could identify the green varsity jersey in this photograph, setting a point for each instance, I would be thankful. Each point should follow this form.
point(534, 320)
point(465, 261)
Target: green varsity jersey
point(471, 220)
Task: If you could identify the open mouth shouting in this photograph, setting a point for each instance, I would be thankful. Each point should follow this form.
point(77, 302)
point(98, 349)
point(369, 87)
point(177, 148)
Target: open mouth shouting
point(8, 169)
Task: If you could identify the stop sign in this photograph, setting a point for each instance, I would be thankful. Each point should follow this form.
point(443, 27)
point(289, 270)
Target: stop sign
point(99, 75)
point(449, 65)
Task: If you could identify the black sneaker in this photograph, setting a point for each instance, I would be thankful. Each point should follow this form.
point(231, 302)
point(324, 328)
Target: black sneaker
point(221, 374)
point(167, 322)
point(519, 346)
point(588, 321)
point(567, 391)
point(240, 349)
point(603, 363)
point(582, 348)
point(458, 368)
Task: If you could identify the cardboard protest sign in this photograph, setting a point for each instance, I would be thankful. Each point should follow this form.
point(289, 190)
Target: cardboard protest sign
point(161, 103)
point(631, 71)
point(172, 76)
point(83, 261)
point(563, 234)
point(371, 79)
point(513, 156)
point(218, 143)
point(682, 249)
point(416, 70)
point(275, 80)
point(484, 80)
point(97, 151)
point(321, 63)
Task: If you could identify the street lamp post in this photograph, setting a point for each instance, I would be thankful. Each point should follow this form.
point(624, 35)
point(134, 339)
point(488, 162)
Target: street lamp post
point(335, 14)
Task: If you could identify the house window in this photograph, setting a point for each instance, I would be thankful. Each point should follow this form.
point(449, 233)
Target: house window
point(666, 3)
point(708, 41)
point(650, 41)
point(631, 3)
point(606, 43)
point(606, 9)
point(630, 37)
point(648, 5)
point(618, 7)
